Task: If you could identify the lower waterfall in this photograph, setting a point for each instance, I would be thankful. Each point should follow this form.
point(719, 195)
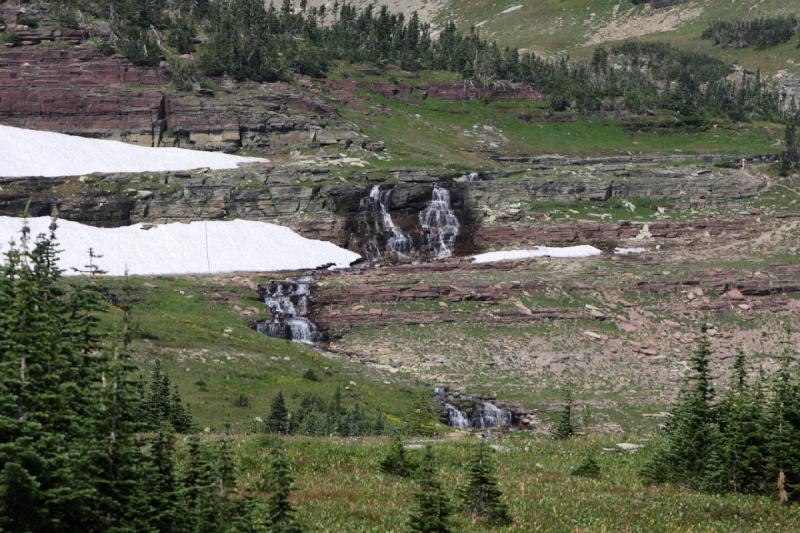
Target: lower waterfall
point(472, 414)
point(288, 302)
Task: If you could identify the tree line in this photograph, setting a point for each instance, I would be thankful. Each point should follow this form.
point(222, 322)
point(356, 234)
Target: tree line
point(247, 40)
point(85, 443)
point(761, 33)
point(316, 417)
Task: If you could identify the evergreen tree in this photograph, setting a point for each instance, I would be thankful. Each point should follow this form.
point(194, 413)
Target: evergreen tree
point(179, 415)
point(741, 454)
point(482, 497)
point(421, 419)
point(161, 482)
point(688, 456)
point(278, 420)
point(433, 509)
point(790, 159)
point(396, 462)
point(279, 485)
point(565, 427)
point(782, 428)
point(158, 401)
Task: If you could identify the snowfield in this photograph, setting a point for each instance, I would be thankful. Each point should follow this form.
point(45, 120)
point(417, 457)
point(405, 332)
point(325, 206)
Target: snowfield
point(567, 252)
point(194, 248)
point(43, 153)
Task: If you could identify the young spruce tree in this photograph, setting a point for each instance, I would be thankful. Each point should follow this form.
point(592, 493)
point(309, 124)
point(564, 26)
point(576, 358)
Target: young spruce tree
point(433, 509)
point(482, 497)
point(279, 485)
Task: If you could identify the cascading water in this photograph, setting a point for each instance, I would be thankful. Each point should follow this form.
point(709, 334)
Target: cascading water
point(439, 223)
point(490, 416)
point(456, 417)
point(480, 415)
point(288, 302)
point(378, 222)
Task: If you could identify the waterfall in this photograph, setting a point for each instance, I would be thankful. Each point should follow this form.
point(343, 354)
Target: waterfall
point(378, 222)
point(456, 418)
point(479, 415)
point(439, 223)
point(490, 416)
point(288, 302)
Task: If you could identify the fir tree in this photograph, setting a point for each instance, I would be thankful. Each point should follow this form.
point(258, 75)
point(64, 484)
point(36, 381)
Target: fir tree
point(396, 462)
point(279, 485)
point(421, 419)
point(161, 481)
point(565, 427)
point(278, 420)
point(179, 415)
point(782, 428)
point(741, 452)
point(692, 432)
point(790, 159)
point(433, 509)
point(482, 497)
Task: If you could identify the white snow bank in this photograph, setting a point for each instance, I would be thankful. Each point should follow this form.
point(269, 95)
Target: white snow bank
point(627, 251)
point(569, 252)
point(510, 9)
point(197, 247)
point(44, 153)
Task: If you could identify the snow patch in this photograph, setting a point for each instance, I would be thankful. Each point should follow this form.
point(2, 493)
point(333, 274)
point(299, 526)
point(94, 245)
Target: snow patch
point(26, 152)
point(568, 252)
point(193, 248)
point(511, 9)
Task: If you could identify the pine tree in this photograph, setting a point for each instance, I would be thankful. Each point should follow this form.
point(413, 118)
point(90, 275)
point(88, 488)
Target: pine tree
point(782, 428)
point(279, 485)
point(396, 462)
point(790, 159)
point(482, 497)
point(158, 400)
point(161, 481)
point(278, 420)
point(741, 453)
point(565, 428)
point(433, 509)
point(692, 431)
point(421, 419)
point(179, 415)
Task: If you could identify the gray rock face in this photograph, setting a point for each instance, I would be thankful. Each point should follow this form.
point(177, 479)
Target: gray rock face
point(311, 202)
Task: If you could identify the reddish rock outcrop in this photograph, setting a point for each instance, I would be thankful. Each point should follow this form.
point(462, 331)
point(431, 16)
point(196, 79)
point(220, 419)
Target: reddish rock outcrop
point(79, 90)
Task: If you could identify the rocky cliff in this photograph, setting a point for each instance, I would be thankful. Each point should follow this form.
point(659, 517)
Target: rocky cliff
point(492, 206)
point(75, 88)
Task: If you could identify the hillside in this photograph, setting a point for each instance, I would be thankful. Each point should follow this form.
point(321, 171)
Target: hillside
point(574, 27)
point(287, 234)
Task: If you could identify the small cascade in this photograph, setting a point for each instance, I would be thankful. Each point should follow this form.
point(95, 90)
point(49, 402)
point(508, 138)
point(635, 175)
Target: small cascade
point(439, 223)
point(490, 416)
point(378, 222)
point(288, 302)
point(472, 414)
point(456, 418)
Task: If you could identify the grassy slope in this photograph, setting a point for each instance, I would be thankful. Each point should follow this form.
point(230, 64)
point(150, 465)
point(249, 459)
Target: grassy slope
point(553, 26)
point(210, 351)
point(454, 134)
point(339, 487)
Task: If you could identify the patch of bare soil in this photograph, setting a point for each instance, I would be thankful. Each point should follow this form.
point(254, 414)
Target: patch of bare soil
point(426, 9)
point(636, 23)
